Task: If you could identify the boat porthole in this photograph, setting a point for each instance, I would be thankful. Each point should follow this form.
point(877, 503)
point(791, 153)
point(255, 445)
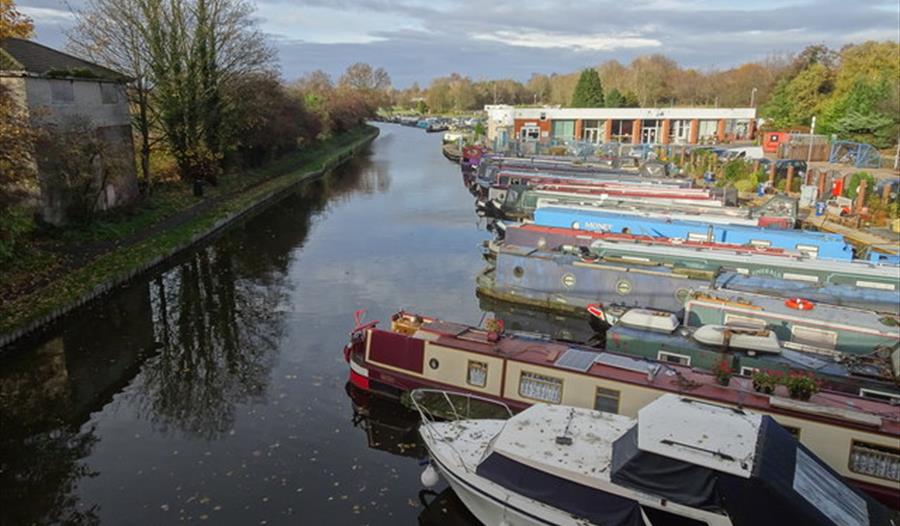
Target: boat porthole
point(518, 272)
point(541, 242)
point(434, 363)
point(681, 295)
point(568, 280)
point(576, 225)
point(623, 287)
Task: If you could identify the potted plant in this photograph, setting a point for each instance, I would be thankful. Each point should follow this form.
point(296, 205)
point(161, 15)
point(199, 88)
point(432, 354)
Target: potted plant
point(765, 381)
point(722, 370)
point(801, 385)
point(494, 328)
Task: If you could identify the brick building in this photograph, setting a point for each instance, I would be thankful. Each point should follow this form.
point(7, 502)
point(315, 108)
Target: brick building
point(623, 125)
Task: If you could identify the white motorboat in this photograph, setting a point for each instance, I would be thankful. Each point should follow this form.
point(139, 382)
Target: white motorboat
point(682, 462)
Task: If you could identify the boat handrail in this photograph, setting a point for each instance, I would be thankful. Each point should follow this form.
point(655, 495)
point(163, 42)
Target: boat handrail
point(427, 416)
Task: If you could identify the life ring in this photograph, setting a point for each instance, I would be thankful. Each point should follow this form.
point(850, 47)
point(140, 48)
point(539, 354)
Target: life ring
point(799, 304)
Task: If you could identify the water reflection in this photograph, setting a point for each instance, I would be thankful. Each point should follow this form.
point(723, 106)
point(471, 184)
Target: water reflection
point(183, 349)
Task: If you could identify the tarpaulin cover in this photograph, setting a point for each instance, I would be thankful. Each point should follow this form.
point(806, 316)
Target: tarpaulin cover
point(673, 479)
point(769, 496)
point(596, 506)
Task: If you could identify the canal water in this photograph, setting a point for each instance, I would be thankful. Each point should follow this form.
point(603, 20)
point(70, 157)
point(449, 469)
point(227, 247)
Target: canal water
point(214, 389)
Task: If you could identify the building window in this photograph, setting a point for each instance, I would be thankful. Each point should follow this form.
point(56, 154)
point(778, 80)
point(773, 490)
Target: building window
point(540, 387)
point(531, 133)
point(592, 131)
point(875, 461)
point(477, 375)
point(671, 357)
point(109, 93)
point(813, 337)
point(606, 400)
point(621, 130)
point(62, 91)
point(707, 129)
point(563, 129)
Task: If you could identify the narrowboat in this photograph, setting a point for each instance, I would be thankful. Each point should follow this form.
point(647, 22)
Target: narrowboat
point(661, 336)
point(679, 461)
point(798, 323)
point(568, 282)
point(815, 244)
point(858, 437)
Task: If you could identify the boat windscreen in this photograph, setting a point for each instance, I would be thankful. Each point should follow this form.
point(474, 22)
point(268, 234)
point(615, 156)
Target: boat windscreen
point(828, 493)
point(594, 505)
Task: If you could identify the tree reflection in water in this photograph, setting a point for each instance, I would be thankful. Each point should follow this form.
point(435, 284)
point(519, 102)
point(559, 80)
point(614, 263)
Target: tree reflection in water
point(219, 313)
point(195, 341)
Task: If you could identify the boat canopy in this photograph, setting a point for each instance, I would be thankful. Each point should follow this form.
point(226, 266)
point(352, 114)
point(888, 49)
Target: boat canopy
point(753, 461)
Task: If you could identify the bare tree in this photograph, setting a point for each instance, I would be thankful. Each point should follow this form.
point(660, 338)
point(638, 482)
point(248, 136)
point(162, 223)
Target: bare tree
point(111, 33)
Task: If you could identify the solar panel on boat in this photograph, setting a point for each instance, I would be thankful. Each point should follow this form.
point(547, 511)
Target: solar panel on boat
point(624, 362)
point(576, 360)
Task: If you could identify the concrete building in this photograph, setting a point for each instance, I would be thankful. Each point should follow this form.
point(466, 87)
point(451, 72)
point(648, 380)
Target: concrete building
point(623, 125)
point(55, 90)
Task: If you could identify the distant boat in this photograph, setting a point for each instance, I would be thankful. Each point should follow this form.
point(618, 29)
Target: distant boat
point(681, 461)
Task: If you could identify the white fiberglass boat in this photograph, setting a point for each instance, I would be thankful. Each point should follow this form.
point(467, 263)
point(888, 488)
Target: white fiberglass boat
point(683, 462)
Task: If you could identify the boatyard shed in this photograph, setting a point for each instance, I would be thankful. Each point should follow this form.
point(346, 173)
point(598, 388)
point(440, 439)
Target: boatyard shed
point(623, 125)
point(60, 92)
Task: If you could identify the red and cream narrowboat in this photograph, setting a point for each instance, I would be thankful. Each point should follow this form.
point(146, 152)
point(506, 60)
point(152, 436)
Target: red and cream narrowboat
point(858, 437)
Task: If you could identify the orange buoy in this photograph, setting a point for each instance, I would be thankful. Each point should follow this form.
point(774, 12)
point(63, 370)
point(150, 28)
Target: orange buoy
point(799, 304)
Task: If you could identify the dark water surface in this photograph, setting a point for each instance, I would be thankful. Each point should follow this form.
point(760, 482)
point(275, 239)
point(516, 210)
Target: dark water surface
point(215, 390)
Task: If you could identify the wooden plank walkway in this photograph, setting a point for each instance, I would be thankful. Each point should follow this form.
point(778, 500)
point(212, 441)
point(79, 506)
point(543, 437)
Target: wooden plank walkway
point(855, 236)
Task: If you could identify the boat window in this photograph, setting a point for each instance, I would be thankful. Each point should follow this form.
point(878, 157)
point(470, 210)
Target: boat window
point(808, 250)
point(518, 271)
point(748, 371)
point(760, 243)
point(794, 431)
point(813, 337)
point(875, 285)
point(875, 461)
point(734, 320)
point(800, 277)
point(477, 374)
point(540, 387)
point(672, 357)
point(828, 493)
point(664, 518)
point(879, 395)
point(695, 236)
point(606, 400)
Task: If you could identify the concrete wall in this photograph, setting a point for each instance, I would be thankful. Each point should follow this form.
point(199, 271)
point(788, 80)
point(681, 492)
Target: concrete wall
point(55, 102)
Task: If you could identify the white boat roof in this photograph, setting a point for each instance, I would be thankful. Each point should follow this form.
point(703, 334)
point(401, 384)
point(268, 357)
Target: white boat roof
point(530, 438)
point(708, 435)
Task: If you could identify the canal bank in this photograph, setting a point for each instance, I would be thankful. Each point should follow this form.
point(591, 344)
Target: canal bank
point(30, 312)
point(213, 387)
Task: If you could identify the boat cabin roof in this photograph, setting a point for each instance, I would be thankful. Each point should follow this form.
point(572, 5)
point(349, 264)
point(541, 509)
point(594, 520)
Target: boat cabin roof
point(838, 408)
point(701, 433)
point(569, 442)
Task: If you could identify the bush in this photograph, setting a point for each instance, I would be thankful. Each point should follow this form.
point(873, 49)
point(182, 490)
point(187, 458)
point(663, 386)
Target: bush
point(852, 186)
point(15, 224)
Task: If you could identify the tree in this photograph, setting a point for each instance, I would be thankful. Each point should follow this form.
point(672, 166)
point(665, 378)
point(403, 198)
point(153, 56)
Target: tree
point(198, 47)
point(614, 99)
point(588, 91)
point(14, 24)
point(111, 33)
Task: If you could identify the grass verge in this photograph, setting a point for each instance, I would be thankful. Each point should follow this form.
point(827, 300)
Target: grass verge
point(117, 266)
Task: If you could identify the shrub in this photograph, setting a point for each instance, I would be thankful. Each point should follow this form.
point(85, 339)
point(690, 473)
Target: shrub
point(801, 385)
point(852, 186)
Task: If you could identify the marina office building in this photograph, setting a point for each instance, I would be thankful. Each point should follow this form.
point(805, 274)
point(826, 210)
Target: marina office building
point(622, 125)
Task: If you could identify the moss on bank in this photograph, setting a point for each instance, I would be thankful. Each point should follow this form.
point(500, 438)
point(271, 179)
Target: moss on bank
point(112, 268)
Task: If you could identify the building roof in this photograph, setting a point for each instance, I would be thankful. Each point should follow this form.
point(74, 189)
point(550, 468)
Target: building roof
point(506, 114)
point(18, 54)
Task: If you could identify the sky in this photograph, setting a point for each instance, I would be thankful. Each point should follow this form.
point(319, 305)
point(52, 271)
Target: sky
point(417, 40)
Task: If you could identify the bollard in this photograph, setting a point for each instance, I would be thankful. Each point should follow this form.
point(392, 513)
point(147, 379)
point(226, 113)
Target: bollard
point(790, 179)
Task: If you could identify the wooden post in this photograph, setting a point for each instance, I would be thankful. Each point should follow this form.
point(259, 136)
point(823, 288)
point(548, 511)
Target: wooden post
point(820, 194)
point(790, 179)
point(681, 158)
point(772, 175)
point(860, 196)
point(756, 166)
point(886, 194)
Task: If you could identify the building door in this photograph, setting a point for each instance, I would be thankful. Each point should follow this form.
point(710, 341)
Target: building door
point(530, 133)
point(648, 136)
